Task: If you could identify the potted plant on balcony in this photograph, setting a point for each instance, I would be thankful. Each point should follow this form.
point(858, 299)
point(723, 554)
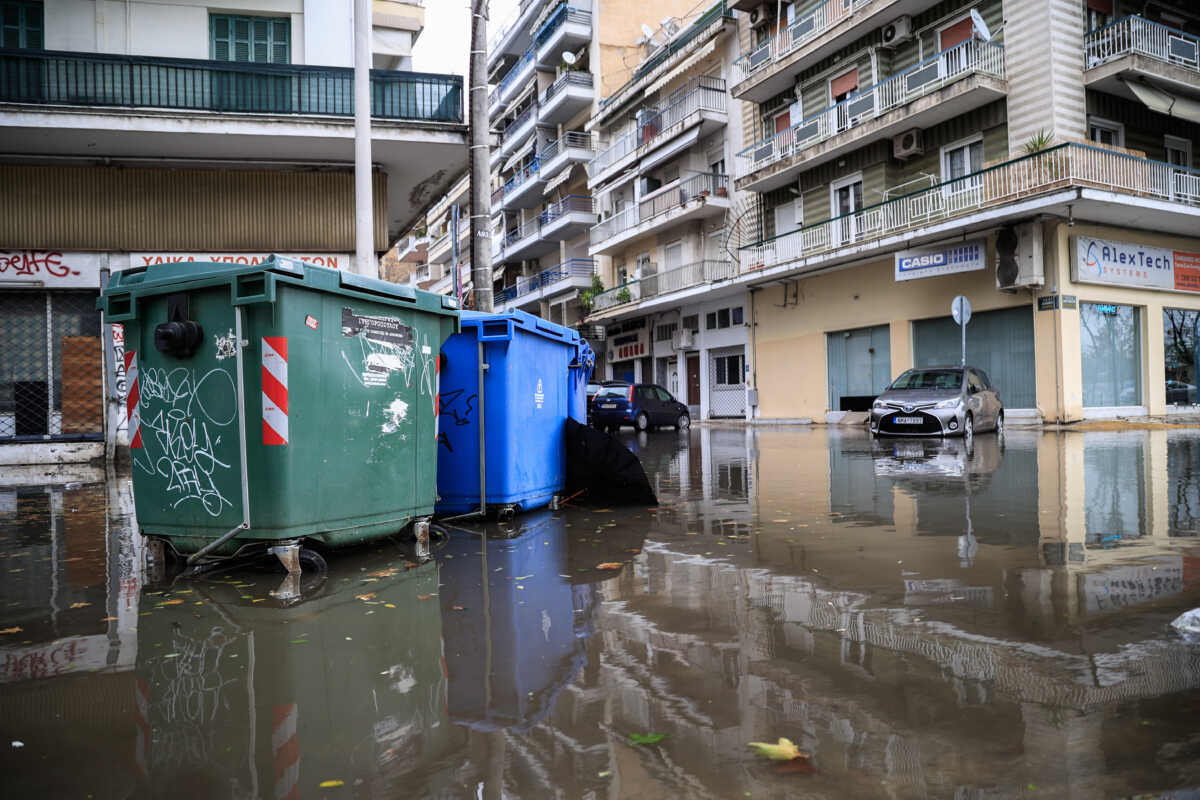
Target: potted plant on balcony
point(623, 296)
point(587, 298)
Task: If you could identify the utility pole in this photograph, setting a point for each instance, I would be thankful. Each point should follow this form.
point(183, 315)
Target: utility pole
point(481, 199)
point(364, 216)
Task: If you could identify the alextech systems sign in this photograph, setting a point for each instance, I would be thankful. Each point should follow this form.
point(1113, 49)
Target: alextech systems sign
point(927, 262)
point(1135, 265)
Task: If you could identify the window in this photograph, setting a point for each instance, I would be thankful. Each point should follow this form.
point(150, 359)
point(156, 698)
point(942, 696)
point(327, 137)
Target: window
point(960, 159)
point(789, 216)
point(261, 40)
point(1099, 13)
point(1181, 336)
point(663, 333)
point(1179, 151)
point(1103, 131)
point(22, 25)
point(663, 395)
point(723, 318)
point(728, 370)
point(1110, 338)
point(692, 323)
point(672, 256)
point(974, 383)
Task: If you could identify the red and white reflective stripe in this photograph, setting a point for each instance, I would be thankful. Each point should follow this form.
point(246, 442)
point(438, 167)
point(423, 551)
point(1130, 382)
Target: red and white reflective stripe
point(275, 389)
point(132, 414)
point(141, 708)
point(285, 752)
point(437, 393)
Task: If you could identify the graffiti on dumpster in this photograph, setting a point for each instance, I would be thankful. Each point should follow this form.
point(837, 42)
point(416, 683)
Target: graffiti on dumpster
point(184, 417)
point(388, 355)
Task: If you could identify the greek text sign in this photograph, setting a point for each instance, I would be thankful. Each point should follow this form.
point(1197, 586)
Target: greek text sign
point(1141, 266)
point(50, 268)
point(927, 262)
point(331, 260)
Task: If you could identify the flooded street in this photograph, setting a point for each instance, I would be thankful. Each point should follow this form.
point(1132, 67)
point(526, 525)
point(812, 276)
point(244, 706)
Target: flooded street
point(922, 619)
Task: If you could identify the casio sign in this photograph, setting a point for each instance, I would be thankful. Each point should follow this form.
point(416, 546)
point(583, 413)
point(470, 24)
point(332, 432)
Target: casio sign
point(926, 260)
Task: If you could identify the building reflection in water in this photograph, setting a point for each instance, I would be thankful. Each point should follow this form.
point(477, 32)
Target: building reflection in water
point(925, 618)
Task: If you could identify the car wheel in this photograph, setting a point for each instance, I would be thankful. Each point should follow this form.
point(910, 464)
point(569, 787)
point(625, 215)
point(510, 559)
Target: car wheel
point(683, 422)
point(969, 428)
point(1000, 426)
point(641, 422)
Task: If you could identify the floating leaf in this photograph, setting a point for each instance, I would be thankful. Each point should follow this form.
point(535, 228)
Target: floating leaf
point(174, 602)
point(331, 784)
point(646, 738)
point(13, 629)
point(384, 573)
point(610, 565)
point(366, 596)
point(783, 751)
point(389, 605)
point(80, 605)
point(425, 596)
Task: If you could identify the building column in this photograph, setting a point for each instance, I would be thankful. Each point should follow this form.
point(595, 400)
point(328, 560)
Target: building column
point(1154, 360)
point(705, 399)
point(1044, 61)
point(900, 337)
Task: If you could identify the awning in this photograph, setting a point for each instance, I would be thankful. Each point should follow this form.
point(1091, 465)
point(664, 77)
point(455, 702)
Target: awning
point(556, 181)
point(683, 67)
point(498, 273)
point(670, 150)
point(522, 151)
point(1173, 105)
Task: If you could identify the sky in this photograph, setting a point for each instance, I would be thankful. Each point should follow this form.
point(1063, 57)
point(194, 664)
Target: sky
point(443, 45)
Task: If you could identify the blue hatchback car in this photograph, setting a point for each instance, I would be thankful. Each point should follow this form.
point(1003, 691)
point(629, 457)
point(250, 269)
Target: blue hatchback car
point(641, 405)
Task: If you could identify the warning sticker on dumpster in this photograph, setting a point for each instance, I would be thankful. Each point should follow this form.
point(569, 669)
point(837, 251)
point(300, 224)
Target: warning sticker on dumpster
point(381, 330)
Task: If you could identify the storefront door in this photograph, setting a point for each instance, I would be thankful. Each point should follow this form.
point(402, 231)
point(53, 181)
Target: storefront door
point(998, 342)
point(1111, 348)
point(860, 367)
point(693, 379)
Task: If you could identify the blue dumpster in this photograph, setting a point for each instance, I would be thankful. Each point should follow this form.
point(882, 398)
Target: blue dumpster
point(536, 376)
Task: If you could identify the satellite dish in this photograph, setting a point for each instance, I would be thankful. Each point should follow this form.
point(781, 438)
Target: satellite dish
point(647, 31)
point(981, 28)
point(569, 59)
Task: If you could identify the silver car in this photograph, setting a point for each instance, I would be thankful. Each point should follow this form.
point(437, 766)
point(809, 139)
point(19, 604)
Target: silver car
point(938, 401)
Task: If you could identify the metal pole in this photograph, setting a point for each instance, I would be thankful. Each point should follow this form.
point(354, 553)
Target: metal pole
point(455, 256)
point(364, 229)
point(482, 435)
point(963, 362)
point(481, 199)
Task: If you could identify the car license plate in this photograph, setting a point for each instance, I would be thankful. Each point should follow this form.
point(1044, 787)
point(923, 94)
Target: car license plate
point(907, 420)
point(608, 405)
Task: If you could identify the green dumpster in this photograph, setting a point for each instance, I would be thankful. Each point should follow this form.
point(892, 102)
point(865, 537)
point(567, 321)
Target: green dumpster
point(280, 401)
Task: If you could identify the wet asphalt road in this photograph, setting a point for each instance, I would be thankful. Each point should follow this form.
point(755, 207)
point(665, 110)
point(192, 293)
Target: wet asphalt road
point(922, 619)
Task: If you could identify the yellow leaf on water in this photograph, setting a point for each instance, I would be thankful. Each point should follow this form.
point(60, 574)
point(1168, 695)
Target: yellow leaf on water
point(783, 751)
point(12, 630)
point(331, 784)
point(174, 602)
point(609, 565)
point(80, 605)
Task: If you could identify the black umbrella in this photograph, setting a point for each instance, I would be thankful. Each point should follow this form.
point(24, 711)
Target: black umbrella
point(602, 470)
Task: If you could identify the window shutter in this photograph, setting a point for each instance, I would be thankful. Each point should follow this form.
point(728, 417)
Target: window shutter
point(281, 31)
point(844, 84)
point(957, 33)
point(262, 49)
point(220, 38)
point(241, 40)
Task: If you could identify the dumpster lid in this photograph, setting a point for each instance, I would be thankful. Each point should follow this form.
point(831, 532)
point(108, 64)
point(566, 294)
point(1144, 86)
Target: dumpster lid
point(170, 274)
point(524, 321)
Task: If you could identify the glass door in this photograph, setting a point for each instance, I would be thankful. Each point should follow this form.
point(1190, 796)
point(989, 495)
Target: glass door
point(847, 200)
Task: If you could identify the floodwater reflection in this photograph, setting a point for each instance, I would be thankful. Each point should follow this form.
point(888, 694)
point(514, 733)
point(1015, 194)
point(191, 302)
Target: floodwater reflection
point(925, 618)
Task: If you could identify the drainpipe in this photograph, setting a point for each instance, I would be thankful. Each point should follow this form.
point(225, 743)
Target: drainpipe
point(753, 352)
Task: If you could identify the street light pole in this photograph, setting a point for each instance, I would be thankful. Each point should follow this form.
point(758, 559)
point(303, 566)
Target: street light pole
point(481, 199)
point(364, 217)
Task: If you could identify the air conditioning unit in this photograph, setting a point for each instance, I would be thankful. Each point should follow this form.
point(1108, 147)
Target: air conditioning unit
point(682, 340)
point(612, 356)
point(908, 144)
point(897, 31)
point(759, 16)
point(1019, 257)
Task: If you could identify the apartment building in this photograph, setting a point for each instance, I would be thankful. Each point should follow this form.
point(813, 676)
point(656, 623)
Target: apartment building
point(667, 208)
point(140, 132)
point(1037, 156)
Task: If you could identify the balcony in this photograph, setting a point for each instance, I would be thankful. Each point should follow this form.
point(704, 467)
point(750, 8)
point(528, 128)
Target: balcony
point(574, 274)
point(771, 67)
point(523, 190)
point(1101, 185)
point(701, 196)
point(568, 218)
point(701, 110)
point(568, 28)
point(1133, 48)
point(526, 241)
point(439, 250)
point(64, 103)
point(566, 97)
point(954, 81)
point(511, 37)
point(661, 284)
point(516, 78)
point(517, 132)
point(573, 147)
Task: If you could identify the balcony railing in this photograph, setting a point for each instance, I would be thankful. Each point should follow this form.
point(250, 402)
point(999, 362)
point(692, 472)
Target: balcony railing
point(570, 203)
point(93, 79)
point(502, 29)
point(1064, 166)
point(562, 15)
point(520, 120)
point(803, 30)
point(663, 283)
point(1138, 35)
point(569, 78)
point(570, 139)
point(665, 201)
point(933, 73)
point(571, 268)
point(527, 172)
point(706, 94)
point(526, 58)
